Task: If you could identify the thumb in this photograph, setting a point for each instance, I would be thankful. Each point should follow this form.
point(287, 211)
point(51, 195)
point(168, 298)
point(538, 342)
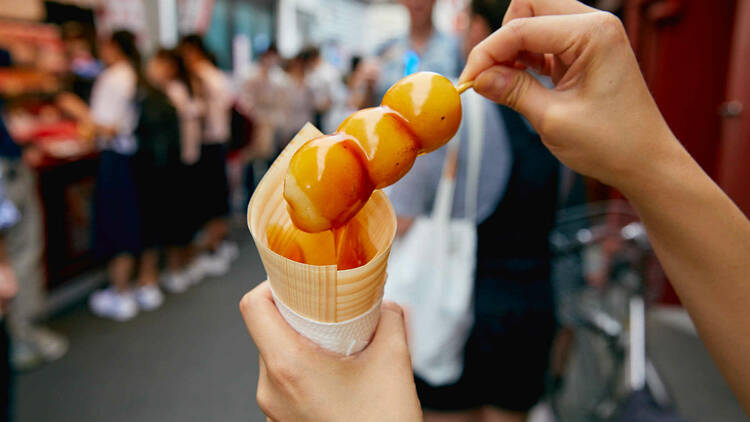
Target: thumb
point(515, 88)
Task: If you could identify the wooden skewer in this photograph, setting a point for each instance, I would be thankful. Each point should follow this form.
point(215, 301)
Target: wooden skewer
point(464, 86)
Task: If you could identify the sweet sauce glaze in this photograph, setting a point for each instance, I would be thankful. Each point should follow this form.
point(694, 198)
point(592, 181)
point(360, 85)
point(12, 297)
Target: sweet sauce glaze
point(330, 178)
point(347, 247)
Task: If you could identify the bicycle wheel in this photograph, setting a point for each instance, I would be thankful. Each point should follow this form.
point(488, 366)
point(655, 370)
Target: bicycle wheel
point(593, 371)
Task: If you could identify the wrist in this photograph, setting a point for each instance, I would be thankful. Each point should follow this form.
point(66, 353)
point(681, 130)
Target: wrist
point(664, 163)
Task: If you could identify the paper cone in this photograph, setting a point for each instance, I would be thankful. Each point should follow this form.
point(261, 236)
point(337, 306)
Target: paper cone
point(336, 309)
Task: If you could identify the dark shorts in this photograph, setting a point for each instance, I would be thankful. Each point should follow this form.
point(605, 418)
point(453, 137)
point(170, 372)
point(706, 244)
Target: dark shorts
point(212, 199)
point(116, 212)
point(163, 194)
point(505, 361)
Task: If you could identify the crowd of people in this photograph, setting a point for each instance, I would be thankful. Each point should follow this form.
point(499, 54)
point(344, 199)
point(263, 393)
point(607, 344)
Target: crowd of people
point(161, 129)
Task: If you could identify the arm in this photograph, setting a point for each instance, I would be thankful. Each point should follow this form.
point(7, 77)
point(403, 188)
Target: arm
point(601, 121)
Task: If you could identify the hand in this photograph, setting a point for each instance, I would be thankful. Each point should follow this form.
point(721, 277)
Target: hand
point(301, 382)
point(600, 119)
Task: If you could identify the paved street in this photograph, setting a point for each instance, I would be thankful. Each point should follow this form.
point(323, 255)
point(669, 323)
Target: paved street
point(192, 360)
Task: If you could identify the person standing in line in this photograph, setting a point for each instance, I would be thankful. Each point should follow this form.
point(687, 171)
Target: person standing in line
point(261, 98)
point(116, 236)
point(298, 103)
point(327, 88)
point(167, 73)
point(424, 48)
point(32, 343)
point(158, 174)
point(214, 90)
point(9, 217)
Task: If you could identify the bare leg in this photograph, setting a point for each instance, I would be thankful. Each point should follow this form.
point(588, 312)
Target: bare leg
point(176, 259)
point(148, 273)
point(466, 416)
point(493, 414)
point(120, 269)
point(216, 230)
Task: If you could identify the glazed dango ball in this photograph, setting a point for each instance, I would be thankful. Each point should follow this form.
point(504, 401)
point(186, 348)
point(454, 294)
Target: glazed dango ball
point(330, 178)
point(431, 105)
point(327, 183)
point(389, 145)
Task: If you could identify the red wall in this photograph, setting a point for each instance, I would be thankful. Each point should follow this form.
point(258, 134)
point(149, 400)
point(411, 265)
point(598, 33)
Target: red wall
point(683, 47)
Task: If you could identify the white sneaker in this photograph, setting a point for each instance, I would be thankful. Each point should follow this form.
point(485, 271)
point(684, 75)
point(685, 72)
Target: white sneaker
point(50, 345)
point(113, 304)
point(38, 346)
point(175, 282)
point(229, 250)
point(148, 297)
point(196, 270)
point(216, 264)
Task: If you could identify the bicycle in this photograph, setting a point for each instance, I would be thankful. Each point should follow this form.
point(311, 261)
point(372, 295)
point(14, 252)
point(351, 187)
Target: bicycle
point(607, 376)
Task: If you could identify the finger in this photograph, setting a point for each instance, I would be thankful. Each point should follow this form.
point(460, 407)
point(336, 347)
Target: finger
point(558, 35)
point(390, 335)
point(544, 64)
point(531, 8)
point(517, 89)
point(267, 327)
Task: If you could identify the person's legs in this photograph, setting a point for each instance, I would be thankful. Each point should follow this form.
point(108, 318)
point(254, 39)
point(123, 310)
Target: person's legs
point(148, 273)
point(176, 259)
point(216, 231)
point(25, 244)
point(147, 292)
point(120, 269)
point(118, 302)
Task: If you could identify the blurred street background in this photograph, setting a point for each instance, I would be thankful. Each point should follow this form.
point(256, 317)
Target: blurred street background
point(133, 133)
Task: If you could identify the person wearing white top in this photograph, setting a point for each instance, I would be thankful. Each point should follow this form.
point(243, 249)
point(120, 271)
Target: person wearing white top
point(327, 86)
point(116, 223)
point(213, 89)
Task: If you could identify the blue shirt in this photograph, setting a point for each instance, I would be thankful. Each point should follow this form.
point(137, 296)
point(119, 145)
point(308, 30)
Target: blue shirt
point(442, 55)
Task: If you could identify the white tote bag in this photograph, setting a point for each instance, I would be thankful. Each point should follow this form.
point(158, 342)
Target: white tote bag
point(431, 269)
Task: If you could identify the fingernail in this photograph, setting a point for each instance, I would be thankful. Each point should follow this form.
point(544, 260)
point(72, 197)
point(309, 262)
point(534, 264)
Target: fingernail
point(491, 82)
point(499, 82)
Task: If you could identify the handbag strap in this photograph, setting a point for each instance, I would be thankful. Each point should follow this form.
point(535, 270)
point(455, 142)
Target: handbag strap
point(475, 122)
point(443, 205)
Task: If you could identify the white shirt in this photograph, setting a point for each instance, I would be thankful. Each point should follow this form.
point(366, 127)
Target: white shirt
point(189, 110)
point(217, 97)
point(113, 105)
point(263, 95)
